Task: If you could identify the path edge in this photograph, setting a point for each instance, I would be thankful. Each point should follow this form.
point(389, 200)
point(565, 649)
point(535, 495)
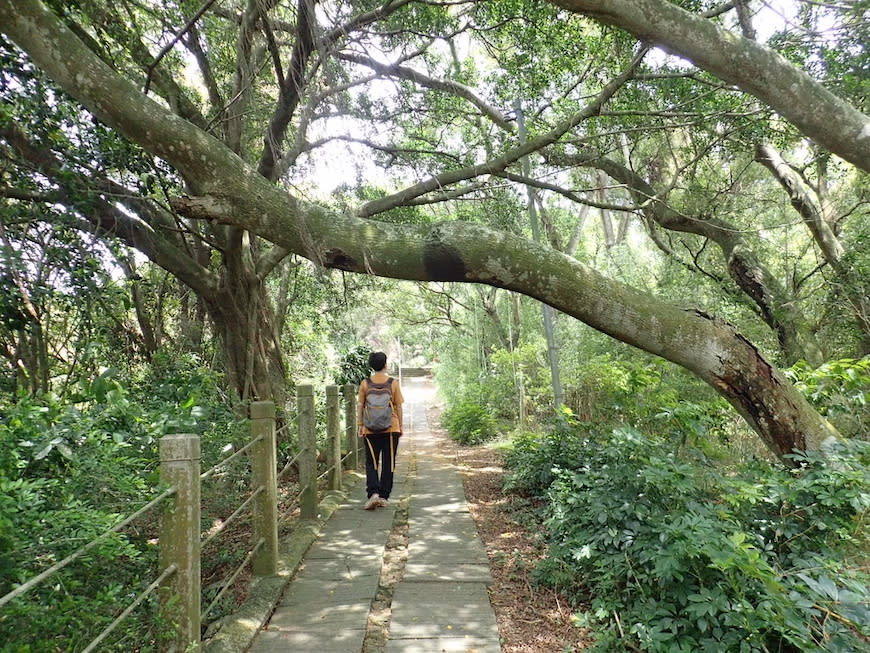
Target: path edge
point(236, 631)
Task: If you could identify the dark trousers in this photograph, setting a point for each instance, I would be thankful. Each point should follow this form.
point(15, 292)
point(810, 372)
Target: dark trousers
point(380, 463)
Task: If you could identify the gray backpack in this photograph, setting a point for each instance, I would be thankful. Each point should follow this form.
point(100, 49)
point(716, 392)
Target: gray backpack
point(378, 409)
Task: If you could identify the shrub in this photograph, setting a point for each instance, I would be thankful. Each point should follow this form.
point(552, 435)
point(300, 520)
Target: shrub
point(469, 423)
point(353, 365)
point(70, 470)
point(534, 461)
point(679, 557)
point(839, 390)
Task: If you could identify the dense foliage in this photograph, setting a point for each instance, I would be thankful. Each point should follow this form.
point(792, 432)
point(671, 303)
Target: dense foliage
point(353, 366)
point(663, 522)
point(469, 423)
point(839, 390)
point(664, 551)
point(72, 468)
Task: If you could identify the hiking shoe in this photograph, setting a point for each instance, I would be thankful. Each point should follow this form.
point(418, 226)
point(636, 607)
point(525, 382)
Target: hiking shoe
point(373, 502)
point(382, 503)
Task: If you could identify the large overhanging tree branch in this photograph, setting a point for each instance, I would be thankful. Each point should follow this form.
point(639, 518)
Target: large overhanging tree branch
point(744, 267)
point(819, 114)
point(231, 192)
point(803, 202)
point(809, 208)
point(463, 252)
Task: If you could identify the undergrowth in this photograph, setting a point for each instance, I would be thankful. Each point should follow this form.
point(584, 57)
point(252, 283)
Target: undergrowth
point(72, 468)
point(664, 551)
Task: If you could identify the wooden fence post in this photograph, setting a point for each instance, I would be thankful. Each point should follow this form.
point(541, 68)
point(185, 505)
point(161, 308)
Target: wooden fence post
point(350, 425)
point(265, 506)
point(333, 436)
point(308, 456)
point(180, 539)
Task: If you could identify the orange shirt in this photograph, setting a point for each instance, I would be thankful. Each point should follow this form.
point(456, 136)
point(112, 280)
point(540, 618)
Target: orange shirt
point(397, 399)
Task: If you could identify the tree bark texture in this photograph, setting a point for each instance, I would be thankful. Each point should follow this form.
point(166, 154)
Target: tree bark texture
point(808, 206)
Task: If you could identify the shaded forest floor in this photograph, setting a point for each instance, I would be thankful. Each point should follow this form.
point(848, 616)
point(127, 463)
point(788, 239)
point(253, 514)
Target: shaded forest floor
point(531, 618)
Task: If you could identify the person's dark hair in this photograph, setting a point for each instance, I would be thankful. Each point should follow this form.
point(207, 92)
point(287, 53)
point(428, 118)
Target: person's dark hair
point(377, 360)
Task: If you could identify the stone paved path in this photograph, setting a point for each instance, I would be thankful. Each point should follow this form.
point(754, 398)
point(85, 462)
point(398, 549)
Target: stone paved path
point(441, 603)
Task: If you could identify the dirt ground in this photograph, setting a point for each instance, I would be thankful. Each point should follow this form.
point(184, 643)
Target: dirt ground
point(531, 619)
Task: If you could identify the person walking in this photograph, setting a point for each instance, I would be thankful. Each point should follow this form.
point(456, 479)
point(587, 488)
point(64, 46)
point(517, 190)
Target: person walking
point(380, 424)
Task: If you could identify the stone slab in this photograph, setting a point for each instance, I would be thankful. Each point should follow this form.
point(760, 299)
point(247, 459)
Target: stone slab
point(315, 641)
point(357, 522)
point(464, 572)
point(311, 591)
point(445, 558)
point(436, 504)
point(443, 531)
point(345, 568)
point(333, 549)
point(340, 613)
point(443, 645)
point(448, 537)
point(442, 609)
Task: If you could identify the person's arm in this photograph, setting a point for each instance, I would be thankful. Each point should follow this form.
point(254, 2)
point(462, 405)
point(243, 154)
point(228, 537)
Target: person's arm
point(360, 405)
point(399, 400)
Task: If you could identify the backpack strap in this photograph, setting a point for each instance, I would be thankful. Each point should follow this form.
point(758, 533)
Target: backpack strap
point(388, 383)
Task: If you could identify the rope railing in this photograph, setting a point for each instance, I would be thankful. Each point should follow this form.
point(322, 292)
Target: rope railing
point(228, 459)
point(181, 540)
point(280, 431)
point(326, 472)
point(36, 580)
point(232, 578)
point(291, 462)
point(229, 520)
point(171, 569)
point(288, 517)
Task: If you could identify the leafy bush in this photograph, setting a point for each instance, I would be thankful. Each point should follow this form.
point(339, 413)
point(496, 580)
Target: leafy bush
point(353, 366)
point(703, 426)
point(534, 461)
point(65, 473)
point(70, 470)
point(679, 557)
point(839, 390)
point(469, 423)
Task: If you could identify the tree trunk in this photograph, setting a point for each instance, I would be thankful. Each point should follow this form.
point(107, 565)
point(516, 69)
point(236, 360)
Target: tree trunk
point(31, 359)
point(149, 331)
point(191, 320)
point(606, 222)
point(245, 326)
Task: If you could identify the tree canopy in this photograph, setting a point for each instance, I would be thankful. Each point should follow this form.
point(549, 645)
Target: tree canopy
point(189, 133)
